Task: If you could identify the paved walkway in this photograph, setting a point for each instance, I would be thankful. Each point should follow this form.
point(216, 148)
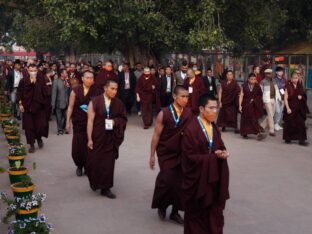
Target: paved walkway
point(270, 185)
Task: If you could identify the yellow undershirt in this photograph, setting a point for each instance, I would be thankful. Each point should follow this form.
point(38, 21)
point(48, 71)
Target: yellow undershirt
point(178, 111)
point(207, 126)
point(85, 91)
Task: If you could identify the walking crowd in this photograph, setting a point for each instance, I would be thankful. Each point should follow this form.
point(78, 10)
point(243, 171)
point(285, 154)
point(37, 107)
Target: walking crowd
point(192, 110)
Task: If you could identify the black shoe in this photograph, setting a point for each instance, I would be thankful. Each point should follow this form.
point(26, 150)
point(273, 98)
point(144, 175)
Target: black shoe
point(303, 143)
point(177, 218)
point(66, 132)
point(31, 149)
point(108, 193)
point(236, 131)
point(287, 141)
point(93, 188)
point(245, 137)
point(262, 129)
point(79, 171)
point(223, 129)
point(162, 214)
point(261, 136)
point(40, 144)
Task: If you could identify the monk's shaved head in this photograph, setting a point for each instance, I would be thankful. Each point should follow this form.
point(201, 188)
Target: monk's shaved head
point(178, 89)
point(109, 82)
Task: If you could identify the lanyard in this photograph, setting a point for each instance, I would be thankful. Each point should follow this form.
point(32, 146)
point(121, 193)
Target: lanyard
point(210, 142)
point(176, 119)
point(107, 109)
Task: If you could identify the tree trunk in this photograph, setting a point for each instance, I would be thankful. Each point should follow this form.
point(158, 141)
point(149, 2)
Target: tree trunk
point(144, 55)
point(71, 54)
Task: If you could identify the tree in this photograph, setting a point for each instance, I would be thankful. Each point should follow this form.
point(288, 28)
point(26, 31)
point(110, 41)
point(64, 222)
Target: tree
point(145, 29)
point(141, 30)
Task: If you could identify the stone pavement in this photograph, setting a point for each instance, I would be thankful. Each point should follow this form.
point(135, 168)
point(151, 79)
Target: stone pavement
point(270, 186)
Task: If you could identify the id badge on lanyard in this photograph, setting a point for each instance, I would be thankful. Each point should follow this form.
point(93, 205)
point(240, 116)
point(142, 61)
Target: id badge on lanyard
point(190, 89)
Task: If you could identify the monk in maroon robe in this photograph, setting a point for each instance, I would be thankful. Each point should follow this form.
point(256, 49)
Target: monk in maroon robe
point(31, 96)
point(251, 107)
point(146, 90)
point(196, 87)
point(170, 124)
point(105, 73)
point(205, 172)
point(77, 112)
point(295, 112)
point(228, 101)
point(107, 119)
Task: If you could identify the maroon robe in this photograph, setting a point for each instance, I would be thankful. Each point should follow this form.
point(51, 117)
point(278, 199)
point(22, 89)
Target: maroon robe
point(79, 120)
point(205, 181)
point(294, 123)
point(74, 76)
point(198, 90)
point(103, 76)
point(251, 110)
point(33, 97)
point(157, 93)
point(147, 95)
point(228, 113)
point(101, 160)
point(168, 182)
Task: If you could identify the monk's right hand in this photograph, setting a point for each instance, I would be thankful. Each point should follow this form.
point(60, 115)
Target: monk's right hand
point(21, 108)
point(240, 109)
point(90, 144)
point(288, 111)
point(152, 162)
point(68, 127)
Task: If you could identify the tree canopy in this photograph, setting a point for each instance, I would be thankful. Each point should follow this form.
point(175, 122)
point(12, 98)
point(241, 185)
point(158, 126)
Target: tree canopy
point(148, 28)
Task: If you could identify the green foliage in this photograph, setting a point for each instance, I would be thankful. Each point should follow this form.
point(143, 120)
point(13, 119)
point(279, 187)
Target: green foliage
point(25, 181)
point(151, 27)
point(17, 150)
point(37, 225)
point(5, 108)
point(25, 203)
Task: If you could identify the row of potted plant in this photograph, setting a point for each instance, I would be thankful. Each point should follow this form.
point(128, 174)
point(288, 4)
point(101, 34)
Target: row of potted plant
point(24, 206)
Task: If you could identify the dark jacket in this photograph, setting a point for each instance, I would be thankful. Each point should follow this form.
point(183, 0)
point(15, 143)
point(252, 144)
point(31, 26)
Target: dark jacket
point(10, 80)
point(121, 78)
point(212, 84)
point(163, 85)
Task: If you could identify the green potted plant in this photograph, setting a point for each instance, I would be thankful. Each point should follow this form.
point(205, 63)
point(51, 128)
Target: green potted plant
point(23, 208)
point(13, 137)
point(10, 123)
point(17, 152)
point(24, 188)
point(5, 112)
point(16, 172)
point(32, 225)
